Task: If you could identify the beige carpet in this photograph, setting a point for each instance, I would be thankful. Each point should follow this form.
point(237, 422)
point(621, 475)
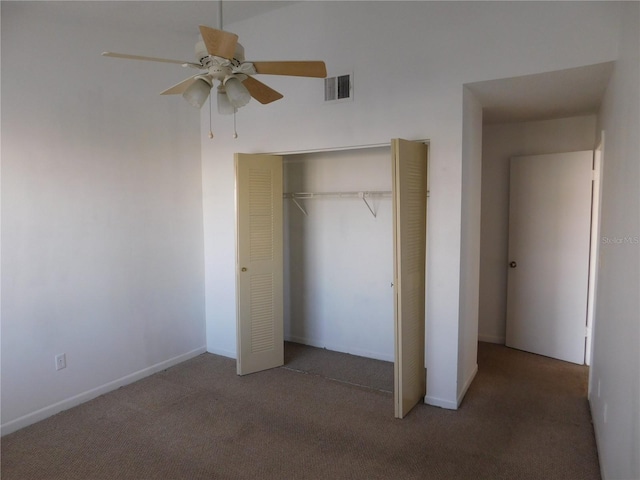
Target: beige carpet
point(322, 416)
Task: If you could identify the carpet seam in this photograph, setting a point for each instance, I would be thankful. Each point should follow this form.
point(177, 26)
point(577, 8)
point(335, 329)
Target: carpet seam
point(366, 387)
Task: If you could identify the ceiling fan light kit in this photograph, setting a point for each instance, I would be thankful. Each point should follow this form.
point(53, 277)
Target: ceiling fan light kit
point(196, 94)
point(220, 59)
point(237, 93)
point(224, 105)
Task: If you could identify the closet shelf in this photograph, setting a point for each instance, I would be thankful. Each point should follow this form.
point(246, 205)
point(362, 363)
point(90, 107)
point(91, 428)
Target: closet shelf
point(295, 196)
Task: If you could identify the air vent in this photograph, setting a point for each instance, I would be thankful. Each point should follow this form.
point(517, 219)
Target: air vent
point(338, 88)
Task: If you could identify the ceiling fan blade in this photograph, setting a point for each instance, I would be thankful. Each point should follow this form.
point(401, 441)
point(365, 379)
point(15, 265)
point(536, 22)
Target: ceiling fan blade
point(180, 87)
point(297, 69)
point(150, 59)
point(261, 92)
point(218, 42)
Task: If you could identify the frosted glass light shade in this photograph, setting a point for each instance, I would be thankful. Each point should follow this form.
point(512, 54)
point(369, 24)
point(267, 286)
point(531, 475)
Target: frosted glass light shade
point(238, 94)
point(224, 105)
point(197, 93)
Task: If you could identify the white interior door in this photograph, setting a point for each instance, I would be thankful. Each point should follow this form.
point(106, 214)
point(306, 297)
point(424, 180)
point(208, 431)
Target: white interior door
point(549, 230)
point(259, 275)
point(409, 185)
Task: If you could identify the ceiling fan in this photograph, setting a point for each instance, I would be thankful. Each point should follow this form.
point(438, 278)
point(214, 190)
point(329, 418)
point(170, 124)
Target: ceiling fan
point(220, 59)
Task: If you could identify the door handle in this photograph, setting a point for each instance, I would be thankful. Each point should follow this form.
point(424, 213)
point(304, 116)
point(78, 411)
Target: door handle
point(243, 269)
point(513, 264)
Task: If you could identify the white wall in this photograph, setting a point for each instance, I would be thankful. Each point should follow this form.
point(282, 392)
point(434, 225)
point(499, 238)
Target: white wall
point(499, 143)
point(339, 258)
point(101, 232)
point(410, 61)
point(615, 368)
point(102, 249)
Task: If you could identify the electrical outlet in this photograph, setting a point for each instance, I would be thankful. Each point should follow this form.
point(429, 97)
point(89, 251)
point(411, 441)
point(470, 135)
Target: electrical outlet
point(61, 361)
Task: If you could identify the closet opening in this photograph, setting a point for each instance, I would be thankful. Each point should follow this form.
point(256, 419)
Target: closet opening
point(338, 264)
point(346, 271)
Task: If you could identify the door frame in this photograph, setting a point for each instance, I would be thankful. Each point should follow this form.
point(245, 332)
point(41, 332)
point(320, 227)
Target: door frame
point(594, 248)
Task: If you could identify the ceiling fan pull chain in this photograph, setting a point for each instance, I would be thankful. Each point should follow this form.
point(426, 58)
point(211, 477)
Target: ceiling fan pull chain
point(235, 133)
point(210, 130)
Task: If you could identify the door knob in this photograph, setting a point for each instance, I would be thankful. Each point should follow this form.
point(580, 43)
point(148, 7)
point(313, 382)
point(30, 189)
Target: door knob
point(244, 269)
point(513, 264)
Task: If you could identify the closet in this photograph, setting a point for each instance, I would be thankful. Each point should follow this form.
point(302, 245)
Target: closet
point(331, 253)
point(338, 251)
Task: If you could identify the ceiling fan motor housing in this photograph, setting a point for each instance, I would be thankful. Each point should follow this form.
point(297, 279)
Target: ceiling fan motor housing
point(207, 60)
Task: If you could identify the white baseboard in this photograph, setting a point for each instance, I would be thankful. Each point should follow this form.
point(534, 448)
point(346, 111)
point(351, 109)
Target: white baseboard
point(223, 353)
point(70, 402)
point(448, 404)
point(491, 339)
point(597, 435)
point(341, 348)
point(303, 341)
point(440, 402)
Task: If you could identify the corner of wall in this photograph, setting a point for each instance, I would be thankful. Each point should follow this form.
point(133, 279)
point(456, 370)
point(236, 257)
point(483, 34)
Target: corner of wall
point(470, 242)
point(67, 403)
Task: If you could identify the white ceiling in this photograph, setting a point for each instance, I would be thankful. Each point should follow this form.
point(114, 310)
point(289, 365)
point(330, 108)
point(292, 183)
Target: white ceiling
point(563, 93)
point(181, 17)
point(558, 94)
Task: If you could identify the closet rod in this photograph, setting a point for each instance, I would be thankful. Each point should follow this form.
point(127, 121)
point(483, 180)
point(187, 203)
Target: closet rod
point(295, 196)
point(305, 195)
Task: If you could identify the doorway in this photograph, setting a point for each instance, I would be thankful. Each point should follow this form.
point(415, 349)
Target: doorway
point(338, 255)
point(500, 143)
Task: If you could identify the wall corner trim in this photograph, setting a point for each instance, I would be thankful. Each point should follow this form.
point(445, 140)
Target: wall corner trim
point(466, 386)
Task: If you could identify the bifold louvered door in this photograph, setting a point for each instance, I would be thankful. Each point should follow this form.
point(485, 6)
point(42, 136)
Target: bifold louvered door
point(409, 167)
point(259, 263)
